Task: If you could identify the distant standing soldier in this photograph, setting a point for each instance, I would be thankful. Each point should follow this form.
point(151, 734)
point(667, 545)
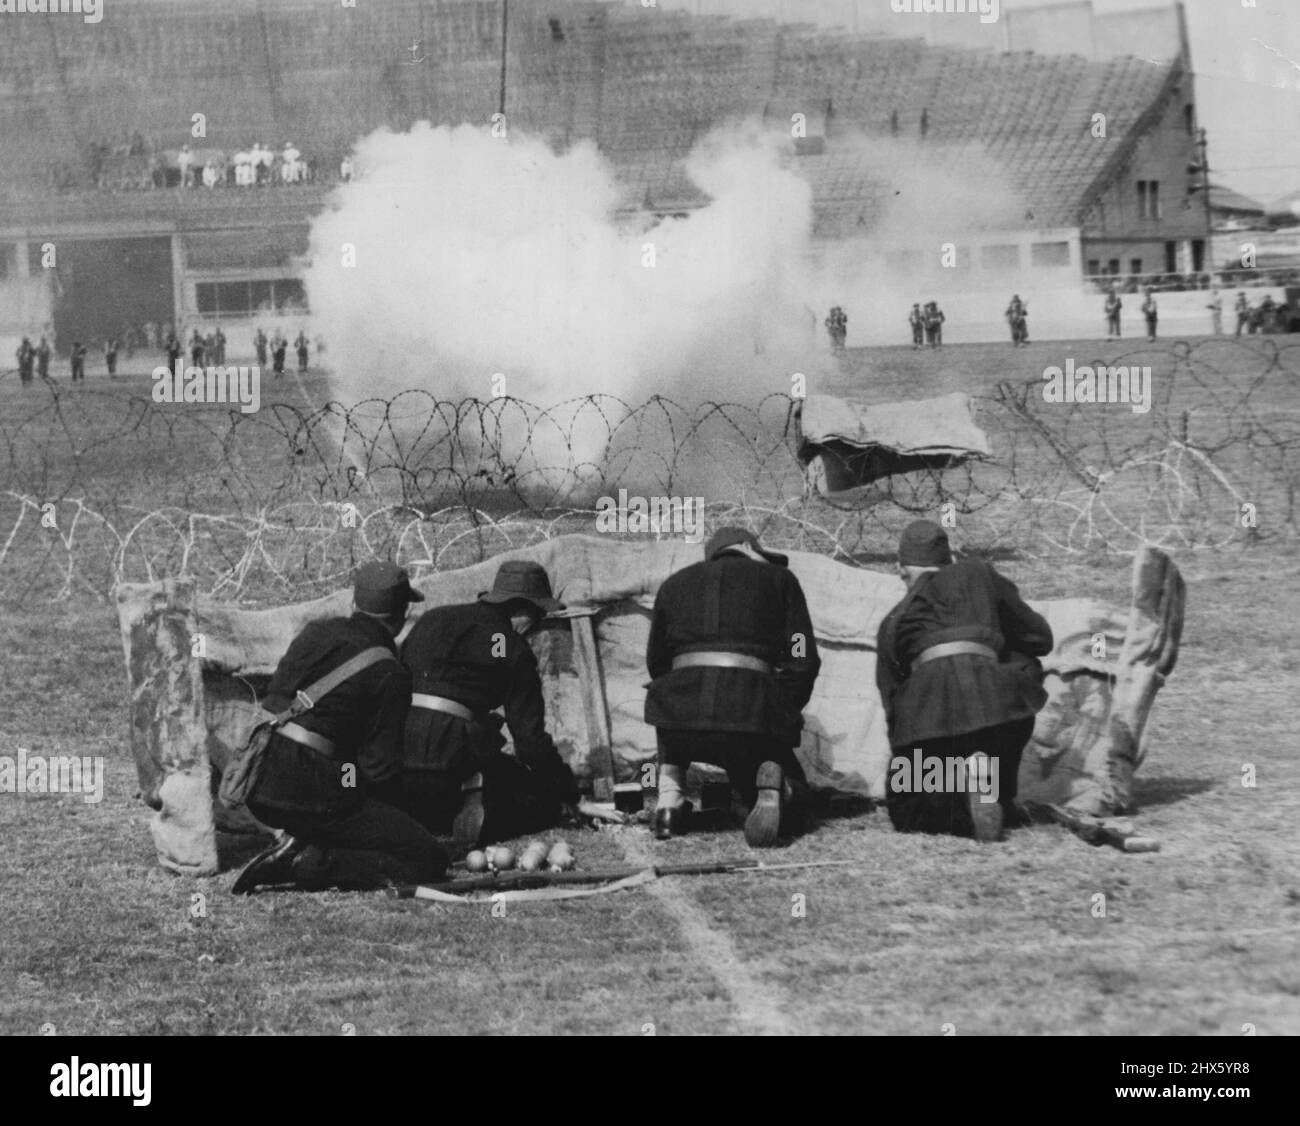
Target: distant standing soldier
point(196, 349)
point(934, 324)
point(322, 772)
point(302, 346)
point(1016, 314)
point(837, 325)
point(110, 355)
point(734, 661)
point(1216, 311)
point(1149, 311)
point(279, 347)
point(466, 661)
point(1243, 312)
point(959, 675)
point(1113, 307)
point(43, 353)
point(174, 353)
point(25, 355)
point(917, 321)
point(78, 357)
point(259, 343)
point(219, 338)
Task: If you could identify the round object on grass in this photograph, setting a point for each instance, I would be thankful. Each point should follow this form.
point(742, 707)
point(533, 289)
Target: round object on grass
point(501, 858)
point(477, 861)
point(534, 857)
point(560, 858)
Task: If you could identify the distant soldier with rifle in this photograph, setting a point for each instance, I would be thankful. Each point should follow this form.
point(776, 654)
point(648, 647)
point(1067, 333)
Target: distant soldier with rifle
point(734, 660)
point(324, 772)
point(1113, 308)
point(465, 661)
point(26, 356)
point(957, 667)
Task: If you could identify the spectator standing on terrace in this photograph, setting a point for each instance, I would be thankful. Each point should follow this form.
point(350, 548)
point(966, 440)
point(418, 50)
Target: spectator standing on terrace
point(110, 355)
point(302, 347)
point(244, 170)
point(78, 358)
point(26, 355)
point(185, 162)
point(959, 674)
point(917, 320)
point(1216, 311)
point(1149, 311)
point(265, 162)
point(1243, 312)
point(210, 175)
point(1113, 307)
point(43, 353)
point(290, 164)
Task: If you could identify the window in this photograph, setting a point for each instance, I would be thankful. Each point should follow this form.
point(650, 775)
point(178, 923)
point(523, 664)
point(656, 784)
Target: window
point(1094, 267)
point(1000, 257)
point(1049, 254)
point(1142, 199)
point(1112, 267)
point(1189, 117)
point(1135, 265)
point(1148, 199)
point(244, 298)
point(1171, 258)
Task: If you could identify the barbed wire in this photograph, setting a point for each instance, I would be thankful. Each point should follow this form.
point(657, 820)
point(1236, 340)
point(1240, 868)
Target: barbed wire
point(284, 502)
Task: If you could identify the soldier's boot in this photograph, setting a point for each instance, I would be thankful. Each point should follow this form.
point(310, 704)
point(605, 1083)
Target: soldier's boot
point(763, 825)
point(272, 866)
point(985, 814)
point(672, 810)
point(467, 828)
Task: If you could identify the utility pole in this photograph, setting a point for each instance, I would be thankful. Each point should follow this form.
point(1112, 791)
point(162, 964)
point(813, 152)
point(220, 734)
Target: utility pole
point(505, 37)
point(1201, 147)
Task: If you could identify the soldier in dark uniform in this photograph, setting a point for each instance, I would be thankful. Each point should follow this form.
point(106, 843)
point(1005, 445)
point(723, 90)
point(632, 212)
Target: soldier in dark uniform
point(1243, 312)
point(917, 320)
point(465, 661)
point(733, 661)
point(196, 349)
point(278, 348)
point(958, 672)
point(934, 319)
point(259, 343)
point(301, 346)
point(43, 353)
point(322, 774)
point(25, 355)
point(1113, 307)
point(1149, 311)
point(219, 339)
point(110, 355)
point(78, 358)
point(174, 351)
point(1016, 315)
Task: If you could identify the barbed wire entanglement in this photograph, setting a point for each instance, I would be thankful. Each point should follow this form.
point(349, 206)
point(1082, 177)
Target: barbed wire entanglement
point(283, 503)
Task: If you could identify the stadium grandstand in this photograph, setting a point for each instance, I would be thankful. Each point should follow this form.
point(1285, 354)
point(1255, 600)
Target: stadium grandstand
point(152, 224)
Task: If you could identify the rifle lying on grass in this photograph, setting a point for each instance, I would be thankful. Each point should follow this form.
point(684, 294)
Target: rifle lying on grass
point(1118, 832)
point(522, 881)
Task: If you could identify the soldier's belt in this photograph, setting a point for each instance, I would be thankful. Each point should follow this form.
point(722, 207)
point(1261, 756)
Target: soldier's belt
point(952, 649)
point(440, 704)
point(306, 738)
point(720, 661)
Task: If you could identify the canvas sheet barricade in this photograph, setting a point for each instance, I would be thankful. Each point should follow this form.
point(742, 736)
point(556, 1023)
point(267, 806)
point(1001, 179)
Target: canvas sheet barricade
point(845, 446)
point(195, 665)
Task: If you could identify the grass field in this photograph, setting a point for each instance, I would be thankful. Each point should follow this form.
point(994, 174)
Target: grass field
point(917, 934)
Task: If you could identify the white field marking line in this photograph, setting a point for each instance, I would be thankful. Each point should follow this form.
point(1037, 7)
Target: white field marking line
point(333, 423)
point(760, 1008)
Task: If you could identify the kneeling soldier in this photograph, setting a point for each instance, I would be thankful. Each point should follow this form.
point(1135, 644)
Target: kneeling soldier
point(465, 661)
point(958, 672)
point(322, 773)
point(733, 659)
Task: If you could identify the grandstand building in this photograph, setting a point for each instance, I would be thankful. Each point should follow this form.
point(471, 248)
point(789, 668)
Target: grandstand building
point(1097, 148)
